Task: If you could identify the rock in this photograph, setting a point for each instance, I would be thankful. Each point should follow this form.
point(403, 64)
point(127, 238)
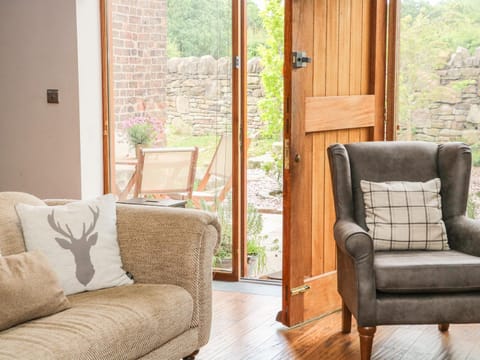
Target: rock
point(254, 65)
point(458, 57)
point(182, 105)
point(421, 117)
point(474, 114)
point(172, 65)
point(207, 65)
point(446, 94)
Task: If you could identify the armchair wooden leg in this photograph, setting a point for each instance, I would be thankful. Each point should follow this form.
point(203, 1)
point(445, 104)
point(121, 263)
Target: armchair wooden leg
point(192, 355)
point(366, 341)
point(346, 319)
point(443, 327)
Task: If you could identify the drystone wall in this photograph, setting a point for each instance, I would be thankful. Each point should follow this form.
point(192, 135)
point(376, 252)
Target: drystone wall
point(456, 116)
point(199, 95)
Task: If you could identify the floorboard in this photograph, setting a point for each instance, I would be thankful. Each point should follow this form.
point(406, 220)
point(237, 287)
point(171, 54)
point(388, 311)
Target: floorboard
point(244, 328)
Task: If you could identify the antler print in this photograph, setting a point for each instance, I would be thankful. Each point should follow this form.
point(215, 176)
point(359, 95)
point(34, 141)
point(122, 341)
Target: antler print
point(80, 247)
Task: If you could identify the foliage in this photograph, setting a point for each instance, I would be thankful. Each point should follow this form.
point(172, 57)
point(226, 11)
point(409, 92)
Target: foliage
point(206, 145)
point(429, 33)
point(460, 85)
point(255, 30)
point(224, 213)
point(143, 130)
point(476, 154)
point(275, 168)
point(471, 208)
point(204, 27)
point(271, 53)
point(255, 237)
point(199, 27)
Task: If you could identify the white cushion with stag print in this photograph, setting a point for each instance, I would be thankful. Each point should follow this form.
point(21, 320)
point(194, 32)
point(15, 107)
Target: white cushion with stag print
point(79, 240)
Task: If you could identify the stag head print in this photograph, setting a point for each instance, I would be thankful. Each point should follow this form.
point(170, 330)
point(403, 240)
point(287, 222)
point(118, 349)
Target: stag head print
point(79, 246)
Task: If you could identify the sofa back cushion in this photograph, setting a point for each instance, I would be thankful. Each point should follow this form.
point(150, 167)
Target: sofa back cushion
point(11, 237)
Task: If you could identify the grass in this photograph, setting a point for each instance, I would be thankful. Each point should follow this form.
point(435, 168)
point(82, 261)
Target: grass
point(260, 147)
point(206, 146)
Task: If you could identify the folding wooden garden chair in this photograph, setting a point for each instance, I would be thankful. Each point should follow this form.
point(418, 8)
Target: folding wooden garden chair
point(167, 172)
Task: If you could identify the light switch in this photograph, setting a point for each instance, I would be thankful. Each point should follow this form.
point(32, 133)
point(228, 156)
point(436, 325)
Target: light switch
point(52, 96)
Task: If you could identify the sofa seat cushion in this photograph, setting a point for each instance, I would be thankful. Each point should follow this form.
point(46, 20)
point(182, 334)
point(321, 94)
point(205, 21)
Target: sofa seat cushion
point(426, 271)
point(124, 322)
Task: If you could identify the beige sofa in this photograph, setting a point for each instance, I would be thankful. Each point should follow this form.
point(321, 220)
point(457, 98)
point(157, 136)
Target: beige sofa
point(166, 314)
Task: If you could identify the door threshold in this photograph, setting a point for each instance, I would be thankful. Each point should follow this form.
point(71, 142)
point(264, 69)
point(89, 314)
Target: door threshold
point(248, 286)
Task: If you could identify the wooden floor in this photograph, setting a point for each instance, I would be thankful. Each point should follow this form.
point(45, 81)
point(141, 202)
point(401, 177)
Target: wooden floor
point(244, 327)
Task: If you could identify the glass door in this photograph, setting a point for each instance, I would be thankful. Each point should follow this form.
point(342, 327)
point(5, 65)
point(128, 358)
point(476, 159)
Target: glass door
point(264, 173)
point(438, 78)
point(171, 91)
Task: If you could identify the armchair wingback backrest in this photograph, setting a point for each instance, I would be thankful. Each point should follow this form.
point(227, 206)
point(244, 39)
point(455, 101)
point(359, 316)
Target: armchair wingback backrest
point(399, 161)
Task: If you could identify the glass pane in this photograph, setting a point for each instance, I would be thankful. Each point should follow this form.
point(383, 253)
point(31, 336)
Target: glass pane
point(265, 130)
point(172, 96)
point(438, 82)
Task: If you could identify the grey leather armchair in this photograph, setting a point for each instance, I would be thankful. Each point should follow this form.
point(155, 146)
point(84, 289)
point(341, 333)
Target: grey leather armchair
point(404, 287)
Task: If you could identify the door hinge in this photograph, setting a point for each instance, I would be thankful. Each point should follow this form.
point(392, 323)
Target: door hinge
point(300, 59)
point(286, 154)
point(299, 290)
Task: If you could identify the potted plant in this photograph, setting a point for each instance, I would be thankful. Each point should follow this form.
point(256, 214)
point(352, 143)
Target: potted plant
point(142, 131)
point(256, 256)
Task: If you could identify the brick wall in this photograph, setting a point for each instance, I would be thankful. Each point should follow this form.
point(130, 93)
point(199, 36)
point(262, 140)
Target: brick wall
point(139, 33)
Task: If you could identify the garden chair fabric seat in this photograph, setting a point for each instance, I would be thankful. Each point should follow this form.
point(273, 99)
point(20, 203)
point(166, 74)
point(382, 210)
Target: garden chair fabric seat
point(167, 172)
point(426, 271)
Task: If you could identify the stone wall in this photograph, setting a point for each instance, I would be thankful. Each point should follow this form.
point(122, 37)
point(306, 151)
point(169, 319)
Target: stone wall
point(139, 35)
point(456, 117)
point(199, 95)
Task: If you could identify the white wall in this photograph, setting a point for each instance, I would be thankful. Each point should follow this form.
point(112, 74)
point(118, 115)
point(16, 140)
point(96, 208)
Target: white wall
point(90, 96)
point(40, 143)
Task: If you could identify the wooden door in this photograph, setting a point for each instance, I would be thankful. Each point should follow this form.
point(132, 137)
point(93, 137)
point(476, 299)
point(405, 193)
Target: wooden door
point(338, 98)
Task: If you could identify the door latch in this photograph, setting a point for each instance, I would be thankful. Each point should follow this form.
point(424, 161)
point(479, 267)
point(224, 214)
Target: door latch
point(299, 290)
point(300, 59)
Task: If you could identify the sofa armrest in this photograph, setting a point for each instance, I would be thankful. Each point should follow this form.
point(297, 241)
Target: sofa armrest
point(464, 234)
point(171, 246)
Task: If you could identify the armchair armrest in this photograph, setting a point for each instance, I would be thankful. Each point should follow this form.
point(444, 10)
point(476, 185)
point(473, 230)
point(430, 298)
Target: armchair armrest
point(352, 239)
point(356, 274)
point(464, 234)
point(171, 246)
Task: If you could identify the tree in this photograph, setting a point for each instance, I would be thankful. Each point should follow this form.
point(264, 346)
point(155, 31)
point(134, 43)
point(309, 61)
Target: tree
point(199, 27)
point(271, 53)
point(203, 27)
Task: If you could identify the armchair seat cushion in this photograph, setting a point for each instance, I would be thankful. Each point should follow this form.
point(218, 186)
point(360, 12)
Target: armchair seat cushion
point(426, 271)
point(124, 322)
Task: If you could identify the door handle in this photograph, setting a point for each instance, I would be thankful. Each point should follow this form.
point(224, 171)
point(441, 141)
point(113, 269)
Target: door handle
point(297, 158)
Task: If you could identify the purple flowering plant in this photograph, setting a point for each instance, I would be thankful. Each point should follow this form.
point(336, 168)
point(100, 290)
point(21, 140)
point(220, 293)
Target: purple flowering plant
point(143, 130)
